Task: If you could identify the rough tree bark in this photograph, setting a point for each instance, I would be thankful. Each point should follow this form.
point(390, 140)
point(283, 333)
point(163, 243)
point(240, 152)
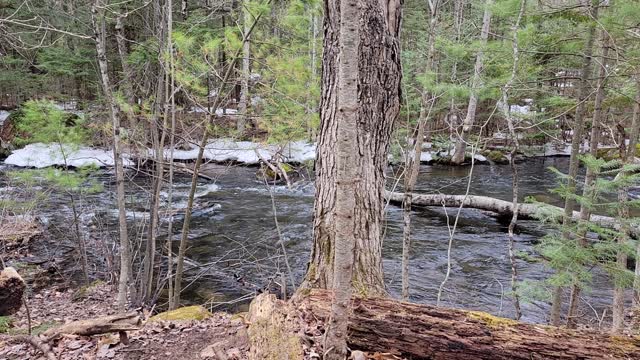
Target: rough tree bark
point(578, 128)
point(12, 288)
point(348, 176)
point(379, 99)
point(428, 332)
point(476, 83)
point(97, 19)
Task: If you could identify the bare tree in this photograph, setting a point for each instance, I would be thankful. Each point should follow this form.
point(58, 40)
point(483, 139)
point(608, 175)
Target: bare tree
point(97, 19)
point(476, 83)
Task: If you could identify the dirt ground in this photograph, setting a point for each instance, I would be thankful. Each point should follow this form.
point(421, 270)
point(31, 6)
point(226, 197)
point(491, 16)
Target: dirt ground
point(222, 336)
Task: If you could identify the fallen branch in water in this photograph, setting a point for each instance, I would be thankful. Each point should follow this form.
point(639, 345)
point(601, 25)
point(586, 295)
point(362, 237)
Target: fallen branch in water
point(501, 207)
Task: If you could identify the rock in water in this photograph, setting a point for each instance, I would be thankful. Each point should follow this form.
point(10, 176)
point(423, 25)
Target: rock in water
point(11, 290)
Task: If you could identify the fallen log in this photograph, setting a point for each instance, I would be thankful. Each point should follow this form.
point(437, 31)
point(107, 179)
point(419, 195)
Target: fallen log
point(11, 291)
point(429, 332)
point(119, 323)
point(501, 207)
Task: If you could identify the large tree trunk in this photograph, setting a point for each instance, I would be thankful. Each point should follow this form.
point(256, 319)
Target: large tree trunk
point(578, 128)
point(476, 82)
point(348, 176)
point(379, 76)
point(97, 17)
point(428, 332)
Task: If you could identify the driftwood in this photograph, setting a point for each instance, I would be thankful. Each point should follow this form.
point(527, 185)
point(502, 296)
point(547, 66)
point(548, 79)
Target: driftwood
point(113, 323)
point(428, 332)
point(11, 291)
point(501, 207)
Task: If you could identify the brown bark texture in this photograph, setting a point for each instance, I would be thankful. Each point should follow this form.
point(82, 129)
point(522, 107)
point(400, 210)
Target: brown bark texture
point(11, 291)
point(379, 75)
point(427, 332)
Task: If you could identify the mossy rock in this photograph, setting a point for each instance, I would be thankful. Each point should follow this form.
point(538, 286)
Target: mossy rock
point(497, 157)
point(608, 154)
point(195, 312)
point(83, 291)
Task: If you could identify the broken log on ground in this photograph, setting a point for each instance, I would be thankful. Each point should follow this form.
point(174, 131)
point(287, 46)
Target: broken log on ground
point(12, 288)
point(501, 207)
point(413, 331)
point(119, 323)
point(429, 332)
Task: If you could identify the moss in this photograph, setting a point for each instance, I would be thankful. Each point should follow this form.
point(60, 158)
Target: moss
point(195, 312)
point(497, 157)
point(490, 320)
point(637, 149)
point(608, 153)
point(5, 324)
point(275, 342)
point(83, 291)
point(624, 345)
point(36, 330)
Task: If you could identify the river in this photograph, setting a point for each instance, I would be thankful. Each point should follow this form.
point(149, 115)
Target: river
point(235, 243)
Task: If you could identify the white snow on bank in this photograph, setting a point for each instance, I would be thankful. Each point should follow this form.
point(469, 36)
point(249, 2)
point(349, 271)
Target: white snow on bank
point(44, 155)
point(3, 116)
point(222, 150)
point(426, 157)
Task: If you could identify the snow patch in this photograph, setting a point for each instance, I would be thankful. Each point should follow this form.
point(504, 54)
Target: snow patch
point(426, 156)
point(223, 150)
point(44, 155)
point(3, 116)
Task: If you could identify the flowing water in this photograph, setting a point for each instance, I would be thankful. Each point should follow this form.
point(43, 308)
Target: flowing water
point(235, 244)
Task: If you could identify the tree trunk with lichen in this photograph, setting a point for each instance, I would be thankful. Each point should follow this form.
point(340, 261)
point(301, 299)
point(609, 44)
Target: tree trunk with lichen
point(378, 98)
point(428, 332)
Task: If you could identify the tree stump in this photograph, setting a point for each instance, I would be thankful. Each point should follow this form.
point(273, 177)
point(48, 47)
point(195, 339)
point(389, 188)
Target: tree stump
point(11, 291)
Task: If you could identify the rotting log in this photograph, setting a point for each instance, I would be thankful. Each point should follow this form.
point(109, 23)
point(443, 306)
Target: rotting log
point(119, 323)
point(427, 332)
point(12, 288)
point(501, 207)
point(272, 333)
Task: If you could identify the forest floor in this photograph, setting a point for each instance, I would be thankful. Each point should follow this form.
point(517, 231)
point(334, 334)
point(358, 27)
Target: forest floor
point(221, 336)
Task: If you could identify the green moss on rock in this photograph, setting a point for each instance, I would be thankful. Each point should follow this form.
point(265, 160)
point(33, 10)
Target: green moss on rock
point(497, 157)
point(195, 312)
